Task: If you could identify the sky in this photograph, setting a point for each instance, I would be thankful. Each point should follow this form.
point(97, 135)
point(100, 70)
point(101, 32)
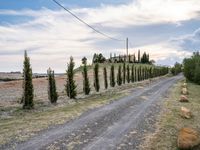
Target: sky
point(167, 29)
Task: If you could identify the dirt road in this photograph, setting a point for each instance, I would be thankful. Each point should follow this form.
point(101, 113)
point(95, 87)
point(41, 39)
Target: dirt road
point(119, 125)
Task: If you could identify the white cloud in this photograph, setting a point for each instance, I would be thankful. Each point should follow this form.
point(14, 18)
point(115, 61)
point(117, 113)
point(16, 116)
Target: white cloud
point(53, 35)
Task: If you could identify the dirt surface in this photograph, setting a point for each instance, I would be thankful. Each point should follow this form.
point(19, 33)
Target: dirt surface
point(119, 125)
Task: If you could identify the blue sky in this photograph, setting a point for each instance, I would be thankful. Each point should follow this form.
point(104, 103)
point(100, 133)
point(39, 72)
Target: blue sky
point(168, 30)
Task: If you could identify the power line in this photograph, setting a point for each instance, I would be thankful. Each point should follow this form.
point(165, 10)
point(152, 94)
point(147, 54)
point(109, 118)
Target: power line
point(105, 35)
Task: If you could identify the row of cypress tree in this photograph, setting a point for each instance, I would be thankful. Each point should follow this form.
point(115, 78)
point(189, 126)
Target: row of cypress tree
point(124, 74)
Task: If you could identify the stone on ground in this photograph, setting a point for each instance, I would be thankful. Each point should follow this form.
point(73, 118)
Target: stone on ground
point(184, 91)
point(184, 98)
point(188, 138)
point(186, 113)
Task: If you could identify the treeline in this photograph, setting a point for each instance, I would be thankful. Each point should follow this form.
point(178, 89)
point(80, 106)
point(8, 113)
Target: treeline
point(126, 73)
point(131, 58)
point(192, 68)
point(176, 69)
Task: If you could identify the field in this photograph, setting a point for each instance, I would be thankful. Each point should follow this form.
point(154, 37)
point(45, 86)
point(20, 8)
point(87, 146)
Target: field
point(17, 124)
point(170, 121)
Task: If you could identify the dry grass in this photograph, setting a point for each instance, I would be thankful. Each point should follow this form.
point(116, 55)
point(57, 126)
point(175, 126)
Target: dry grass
point(170, 121)
point(23, 124)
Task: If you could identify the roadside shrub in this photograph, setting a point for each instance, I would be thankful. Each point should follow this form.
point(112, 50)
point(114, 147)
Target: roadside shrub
point(96, 77)
point(86, 84)
point(105, 78)
point(52, 94)
point(112, 76)
point(28, 91)
point(119, 76)
point(71, 86)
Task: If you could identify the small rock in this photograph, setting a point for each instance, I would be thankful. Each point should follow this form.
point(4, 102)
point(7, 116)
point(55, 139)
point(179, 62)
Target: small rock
point(184, 91)
point(186, 113)
point(184, 98)
point(184, 85)
point(188, 139)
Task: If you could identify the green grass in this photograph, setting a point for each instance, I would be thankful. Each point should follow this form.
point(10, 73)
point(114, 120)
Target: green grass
point(171, 122)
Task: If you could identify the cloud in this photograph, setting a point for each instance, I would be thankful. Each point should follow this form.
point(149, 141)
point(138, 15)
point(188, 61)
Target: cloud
point(52, 36)
point(190, 42)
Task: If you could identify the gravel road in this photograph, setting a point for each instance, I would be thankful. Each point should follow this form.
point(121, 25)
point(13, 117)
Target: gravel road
point(119, 125)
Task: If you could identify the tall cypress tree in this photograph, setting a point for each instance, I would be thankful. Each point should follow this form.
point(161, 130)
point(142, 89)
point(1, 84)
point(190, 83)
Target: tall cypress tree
point(132, 74)
point(96, 77)
point(86, 83)
point(136, 79)
point(124, 73)
point(119, 76)
point(52, 94)
point(112, 76)
point(128, 74)
point(71, 86)
point(28, 91)
point(105, 78)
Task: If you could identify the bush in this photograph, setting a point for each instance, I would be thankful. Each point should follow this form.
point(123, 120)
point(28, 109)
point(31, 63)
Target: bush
point(176, 69)
point(192, 68)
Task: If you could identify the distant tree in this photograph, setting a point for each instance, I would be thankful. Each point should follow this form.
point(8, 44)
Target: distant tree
point(132, 74)
point(86, 83)
point(98, 58)
point(124, 73)
point(70, 83)
point(134, 59)
point(129, 58)
point(128, 74)
point(119, 76)
point(112, 76)
point(136, 77)
point(52, 94)
point(105, 78)
point(96, 77)
point(28, 91)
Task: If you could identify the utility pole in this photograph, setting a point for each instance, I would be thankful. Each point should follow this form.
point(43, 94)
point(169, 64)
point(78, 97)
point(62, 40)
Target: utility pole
point(127, 46)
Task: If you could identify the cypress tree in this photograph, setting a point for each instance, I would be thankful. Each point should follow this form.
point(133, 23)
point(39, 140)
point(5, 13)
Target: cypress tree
point(128, 74)
point(112, 76)
point(86, 84)
point(138, 73)
point(52, 94)
point(124, 73)
point(105, 78)
point(71, 86)
point(135, 74)
point(28, 91)
point(96, 77)
point(132, 74)
point(119, 76)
